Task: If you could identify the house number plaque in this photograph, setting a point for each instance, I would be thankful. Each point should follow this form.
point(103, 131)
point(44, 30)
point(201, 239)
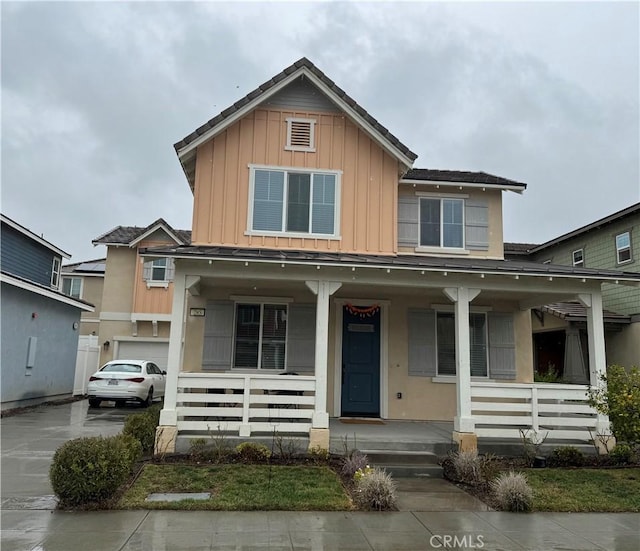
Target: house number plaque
point(197, 312)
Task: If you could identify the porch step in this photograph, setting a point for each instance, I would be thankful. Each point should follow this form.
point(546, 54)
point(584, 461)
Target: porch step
point(406, 464)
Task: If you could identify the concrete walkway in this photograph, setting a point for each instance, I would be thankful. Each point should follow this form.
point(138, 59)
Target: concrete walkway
point(433, 514)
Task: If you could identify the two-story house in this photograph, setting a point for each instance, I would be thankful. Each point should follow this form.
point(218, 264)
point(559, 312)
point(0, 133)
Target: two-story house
point(85, 280)
point(40, 324)
point(560, 336)
point(135, 305)
point(328, 277)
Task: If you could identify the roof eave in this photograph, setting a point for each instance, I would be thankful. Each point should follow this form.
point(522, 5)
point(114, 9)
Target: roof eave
point(505, 187)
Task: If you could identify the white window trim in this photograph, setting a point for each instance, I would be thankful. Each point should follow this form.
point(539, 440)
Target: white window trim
point(337, 203)
point(441, 248)
point(71, 286)
point(263, 300)
point(573, 258)
point(618, 249)
point(448, 310)
point(151, 283)
point(55, 273)
point(312, 139)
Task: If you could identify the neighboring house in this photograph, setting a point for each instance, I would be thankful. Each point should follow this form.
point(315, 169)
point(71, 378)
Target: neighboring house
point(135, 311)
point(40, 324)
point(560, 335)
point(85, 280)
point(326, 273)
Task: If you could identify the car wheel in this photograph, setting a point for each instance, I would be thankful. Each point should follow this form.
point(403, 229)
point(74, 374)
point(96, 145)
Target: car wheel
point(120, 403)
point(94, 402)
point(149, 400)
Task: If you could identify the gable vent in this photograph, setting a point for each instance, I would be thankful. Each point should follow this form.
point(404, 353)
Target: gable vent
point(300, 135)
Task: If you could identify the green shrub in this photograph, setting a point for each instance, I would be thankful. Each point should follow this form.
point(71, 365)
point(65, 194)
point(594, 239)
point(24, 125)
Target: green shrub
point(87, 470)
point(620, 400)
point(512, 492)
point(375, 489)
point(132, 446)
point(551, 376)
point(251, 452)
point(197, 449)
point(566, 456)
point(622, 454)
point(142, 426)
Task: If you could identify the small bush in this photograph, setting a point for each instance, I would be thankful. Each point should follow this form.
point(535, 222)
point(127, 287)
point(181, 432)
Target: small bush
point(622, 454)
point(351, 464)
point(375, 490)
point(467, 467)
point(285, 448)
point(142, 426)
point(319, 455)
point(87, 470)
point(132, 446)
point(566, 456)
point(197, 448)
point(512, 492)
point(250, 452)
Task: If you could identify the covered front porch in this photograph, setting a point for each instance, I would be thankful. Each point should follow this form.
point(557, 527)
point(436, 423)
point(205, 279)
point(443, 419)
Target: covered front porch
point(473, 370)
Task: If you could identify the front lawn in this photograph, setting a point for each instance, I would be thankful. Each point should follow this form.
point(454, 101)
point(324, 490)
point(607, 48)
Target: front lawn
point(585, 490)
point(237, 487)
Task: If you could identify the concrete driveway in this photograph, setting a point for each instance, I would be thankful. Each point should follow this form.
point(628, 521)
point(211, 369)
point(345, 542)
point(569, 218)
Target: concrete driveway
point(30, 523)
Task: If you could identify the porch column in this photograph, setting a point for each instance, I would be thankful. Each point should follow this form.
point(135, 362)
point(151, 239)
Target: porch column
point(319, 434)
point(597, 361)
point(463, 423)
point(167, 431)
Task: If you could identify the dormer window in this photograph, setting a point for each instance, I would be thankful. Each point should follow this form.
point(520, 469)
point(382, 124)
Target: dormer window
point(55, 272)
point(300, 134)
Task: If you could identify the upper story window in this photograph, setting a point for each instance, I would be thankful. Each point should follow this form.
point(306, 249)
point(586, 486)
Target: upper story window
point(300, 134)
point(159, 272)
point(442, 223)
point(55, 272)
point(294, 202)
point(578, 258)
point(260, 336)
point(72, 286)
point(623, 247)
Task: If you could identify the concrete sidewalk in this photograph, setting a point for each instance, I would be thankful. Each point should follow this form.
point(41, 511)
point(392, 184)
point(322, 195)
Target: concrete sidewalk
point(433, 513)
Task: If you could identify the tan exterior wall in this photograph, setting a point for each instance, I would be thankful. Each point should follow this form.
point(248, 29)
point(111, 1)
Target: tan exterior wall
point(624, 348)
point(551, 323)
point(368, 200)
point(494, 201)
point(119, 279)
point(151, 300)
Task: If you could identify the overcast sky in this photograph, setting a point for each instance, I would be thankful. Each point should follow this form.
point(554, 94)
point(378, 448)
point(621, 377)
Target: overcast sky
point(95, 94)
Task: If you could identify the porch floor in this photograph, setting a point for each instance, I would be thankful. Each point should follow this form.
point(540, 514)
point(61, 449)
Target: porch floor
point(434, 436)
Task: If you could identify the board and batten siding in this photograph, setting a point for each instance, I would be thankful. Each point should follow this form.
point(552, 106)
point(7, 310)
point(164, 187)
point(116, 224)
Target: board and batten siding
point(152, 300)
point(368, 184)
point(23, 257)
point(423, 353)
point(217, 350)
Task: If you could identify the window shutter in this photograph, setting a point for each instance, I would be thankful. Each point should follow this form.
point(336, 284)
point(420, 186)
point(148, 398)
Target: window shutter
point(171, 270)
point(324, 198)
point(301, 340)
point(422, 342)
point(502, 347)
point(218, 335)
point(408, 220)
point(268, 192)
point(476, 225)
point(147, 270)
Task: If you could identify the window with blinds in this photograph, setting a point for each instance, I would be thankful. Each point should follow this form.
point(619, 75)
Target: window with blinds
point(260, 336)
point(300, 135)
point(294, 202)
point(446, 343)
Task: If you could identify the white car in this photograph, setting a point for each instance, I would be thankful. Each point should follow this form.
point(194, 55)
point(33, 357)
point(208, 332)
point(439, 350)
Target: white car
point(122, 380)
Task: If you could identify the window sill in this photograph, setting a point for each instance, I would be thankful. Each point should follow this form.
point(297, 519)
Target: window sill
point(163, 284)
point(293, 235)
point(442, 250)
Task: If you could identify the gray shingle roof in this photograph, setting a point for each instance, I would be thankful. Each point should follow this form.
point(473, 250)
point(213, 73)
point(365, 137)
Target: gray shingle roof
point(460, 176)
point(260, 90)
point(123, 235)
point(574, 311)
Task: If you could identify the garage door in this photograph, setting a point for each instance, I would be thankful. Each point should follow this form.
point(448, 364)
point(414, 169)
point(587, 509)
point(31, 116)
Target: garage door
point(155, 352)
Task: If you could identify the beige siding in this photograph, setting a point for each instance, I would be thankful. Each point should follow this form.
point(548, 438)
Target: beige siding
point(119, 279)
point(367, 194)
point(623, 348)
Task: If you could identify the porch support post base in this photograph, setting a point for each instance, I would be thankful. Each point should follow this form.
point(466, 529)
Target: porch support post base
point(166, 436)
point(168, 417)
point(603, 439)
point(245, 431)
point(466, 441)
point(318, 439)
point(320, 420)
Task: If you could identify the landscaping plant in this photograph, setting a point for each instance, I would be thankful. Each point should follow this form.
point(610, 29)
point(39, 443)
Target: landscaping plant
point(251, 452)
point(374, 489)
point(512, 492)
point(566, 456)
point(619, 398)
point(352, 463)
point(142, 426)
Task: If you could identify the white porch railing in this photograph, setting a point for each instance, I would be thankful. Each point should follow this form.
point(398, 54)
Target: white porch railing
point(245, 404)
point(559, 412)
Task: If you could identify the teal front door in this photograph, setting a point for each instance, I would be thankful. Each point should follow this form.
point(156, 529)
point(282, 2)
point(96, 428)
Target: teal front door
point(360, 362)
